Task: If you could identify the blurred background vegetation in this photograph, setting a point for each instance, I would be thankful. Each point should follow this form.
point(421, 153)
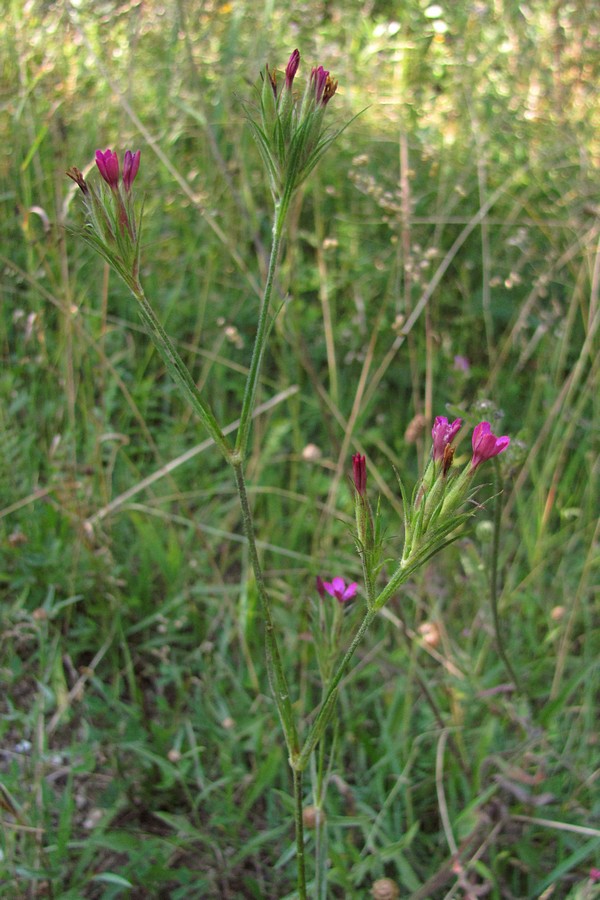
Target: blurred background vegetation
point(443, 259)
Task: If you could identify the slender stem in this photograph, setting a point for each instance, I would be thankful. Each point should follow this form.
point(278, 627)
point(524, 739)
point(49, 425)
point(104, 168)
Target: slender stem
point(261, 332)
point(179, 371)
point(494, 575)
point(299, 823)
point(328, 704)
point(275, 670)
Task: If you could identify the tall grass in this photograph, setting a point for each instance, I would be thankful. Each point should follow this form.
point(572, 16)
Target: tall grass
point(458, 218)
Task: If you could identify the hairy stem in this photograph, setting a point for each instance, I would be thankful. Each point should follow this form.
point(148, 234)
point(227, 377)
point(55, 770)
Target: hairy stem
point(299, 823)
point(260, 341)
point(275, 671)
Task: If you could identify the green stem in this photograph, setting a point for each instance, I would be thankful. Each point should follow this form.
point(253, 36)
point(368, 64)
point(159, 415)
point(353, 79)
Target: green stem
point(260, 341)
point(299, 823)
point(328, 704)
point(277, 678)
point(179, 371)
point(494, 575)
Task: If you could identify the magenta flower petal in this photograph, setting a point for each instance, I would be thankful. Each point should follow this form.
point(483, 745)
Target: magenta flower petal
point(443, 433)
point(486, 444)
point(350, 592)
point(339, 585)
point(108, 166)
point(131, 164)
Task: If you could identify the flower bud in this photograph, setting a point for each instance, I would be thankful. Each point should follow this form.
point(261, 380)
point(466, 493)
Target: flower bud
point(131, 164)
point(359, 473)
point(108, 166)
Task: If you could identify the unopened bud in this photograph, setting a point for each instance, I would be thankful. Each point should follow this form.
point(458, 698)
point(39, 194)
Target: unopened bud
point(359, 473)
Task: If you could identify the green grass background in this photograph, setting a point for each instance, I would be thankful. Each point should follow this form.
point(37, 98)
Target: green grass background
point(139, 746)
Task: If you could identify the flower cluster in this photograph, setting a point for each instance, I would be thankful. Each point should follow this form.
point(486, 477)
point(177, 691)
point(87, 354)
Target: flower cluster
point(289, 131)
point(112, 227)
point(437, 504)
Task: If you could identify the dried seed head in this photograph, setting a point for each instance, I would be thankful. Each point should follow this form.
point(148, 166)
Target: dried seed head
point(312, 816)
point(385, 889)
point(415, 429)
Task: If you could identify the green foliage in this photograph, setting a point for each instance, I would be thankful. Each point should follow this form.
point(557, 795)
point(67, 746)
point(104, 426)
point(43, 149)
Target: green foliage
point(457, 216)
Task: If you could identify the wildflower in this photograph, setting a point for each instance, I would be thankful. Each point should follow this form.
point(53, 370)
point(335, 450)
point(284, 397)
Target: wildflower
point(359, 473)
point(289, 130)
point(112, 223)
point(131, 164)
point(486, 444)
point(320, 587)
point(595, 875)
point(337, 588)
point(462, 364)
point(108, 166)
point(443, 433)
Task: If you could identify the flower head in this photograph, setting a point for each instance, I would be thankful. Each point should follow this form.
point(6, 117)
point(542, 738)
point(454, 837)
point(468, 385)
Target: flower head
point(108, 166)
point(113, 227)
point(323, 84)
point(131, 164)
point(291, 130)
point(443, 433)
point(337, 588)
point(359, 473)
point(486, 444)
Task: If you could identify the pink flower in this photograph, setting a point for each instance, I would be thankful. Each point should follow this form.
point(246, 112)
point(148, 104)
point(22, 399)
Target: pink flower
point(108, 165)
point(324, 85)
point(291, 69)
point(443, 433)
point(486, 445)
point(595, 875)
point(131, 164)
point(337, 588)
point(359, 473)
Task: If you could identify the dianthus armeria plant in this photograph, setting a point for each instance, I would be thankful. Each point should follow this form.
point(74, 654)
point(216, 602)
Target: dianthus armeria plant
point(291, 128)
